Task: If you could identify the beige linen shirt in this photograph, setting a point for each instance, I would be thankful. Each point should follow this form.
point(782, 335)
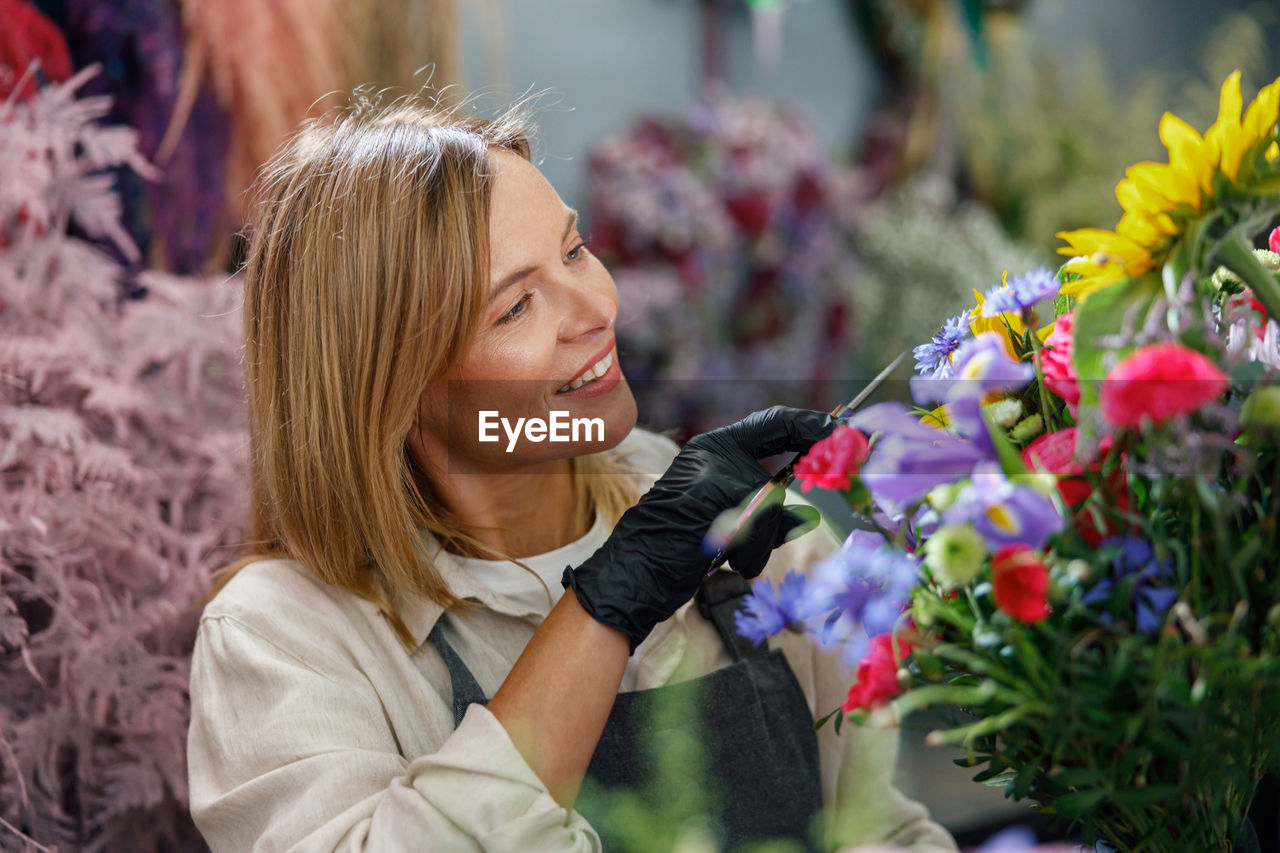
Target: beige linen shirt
point(314, 729)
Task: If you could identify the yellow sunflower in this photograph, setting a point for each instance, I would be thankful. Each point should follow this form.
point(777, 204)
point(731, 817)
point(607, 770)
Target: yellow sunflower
point(1161, 199)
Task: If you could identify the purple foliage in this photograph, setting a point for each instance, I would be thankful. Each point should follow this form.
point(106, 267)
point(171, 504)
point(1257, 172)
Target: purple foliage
point(122, 454)
point(140, 46)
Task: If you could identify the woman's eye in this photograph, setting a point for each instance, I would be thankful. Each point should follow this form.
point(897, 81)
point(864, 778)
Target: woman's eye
point(576, 252)
point(516, 310)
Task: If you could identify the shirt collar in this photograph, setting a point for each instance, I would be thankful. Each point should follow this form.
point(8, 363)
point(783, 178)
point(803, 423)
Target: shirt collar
point(420, 613)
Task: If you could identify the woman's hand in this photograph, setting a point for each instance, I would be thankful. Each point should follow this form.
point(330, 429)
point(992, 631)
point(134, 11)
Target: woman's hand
point(557, 697)
point(653, 562)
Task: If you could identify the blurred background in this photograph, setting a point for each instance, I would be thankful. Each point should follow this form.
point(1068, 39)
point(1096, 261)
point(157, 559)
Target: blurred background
point(788, 193)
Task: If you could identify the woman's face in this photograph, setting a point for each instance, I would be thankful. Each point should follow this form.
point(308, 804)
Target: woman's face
point(547, 326)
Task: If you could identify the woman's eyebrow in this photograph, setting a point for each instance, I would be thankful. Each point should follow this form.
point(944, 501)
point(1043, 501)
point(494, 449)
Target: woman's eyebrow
point(511, 279)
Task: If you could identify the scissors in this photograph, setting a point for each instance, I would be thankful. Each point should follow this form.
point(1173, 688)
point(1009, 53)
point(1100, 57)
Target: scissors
point(778, 482)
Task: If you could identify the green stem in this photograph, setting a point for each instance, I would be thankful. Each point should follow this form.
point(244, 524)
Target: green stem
point(1236, 254)
point(1050, 425)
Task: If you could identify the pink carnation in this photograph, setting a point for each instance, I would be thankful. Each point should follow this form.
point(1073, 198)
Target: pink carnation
point(1273, 241)
point(877, 678)
point(831, 462)
point(1158, 383)
point(1055, 362)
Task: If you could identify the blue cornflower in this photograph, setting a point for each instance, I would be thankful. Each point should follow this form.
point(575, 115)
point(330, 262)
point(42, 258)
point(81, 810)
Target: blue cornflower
point(981, 367)
point(1136, 564)
point(1020, 294)
point(865, 586)
point(934, 358)
point(767, 611)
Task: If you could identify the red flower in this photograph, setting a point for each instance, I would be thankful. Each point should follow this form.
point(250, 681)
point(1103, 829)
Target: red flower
point(831, 462)
point(1055, 361)
point(752, 211)
point(1021, 583)
point(1159, 382)
point(26, 35)
point(1055, 453)
point(1273, 241)
point(877, 678)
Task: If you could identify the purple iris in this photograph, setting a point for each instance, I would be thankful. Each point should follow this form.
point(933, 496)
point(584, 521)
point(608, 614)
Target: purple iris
point(910, 458)
point(766, 610)
point(1021, 293)
point(981, 367)
point(934, 358)
point(1137, 566)
point(867, 584)
point(964, 419)
point(1003, 513)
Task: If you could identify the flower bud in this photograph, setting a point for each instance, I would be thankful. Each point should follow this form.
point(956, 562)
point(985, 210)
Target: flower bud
point(1004, 413)
point(1261, 412)
point(1080, 571)
point(954, 553)
point(1027, 429)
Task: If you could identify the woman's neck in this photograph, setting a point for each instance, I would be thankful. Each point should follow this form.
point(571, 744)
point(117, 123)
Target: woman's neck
point(519, 514)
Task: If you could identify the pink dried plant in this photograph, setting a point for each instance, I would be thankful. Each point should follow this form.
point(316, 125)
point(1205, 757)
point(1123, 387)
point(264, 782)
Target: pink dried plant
point(122, 453)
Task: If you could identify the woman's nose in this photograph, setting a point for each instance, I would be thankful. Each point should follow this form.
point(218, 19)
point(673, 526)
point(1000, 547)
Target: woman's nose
point(588, 307)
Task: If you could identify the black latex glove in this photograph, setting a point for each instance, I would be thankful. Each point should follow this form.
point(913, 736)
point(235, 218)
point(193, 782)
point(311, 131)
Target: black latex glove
point(653, 562)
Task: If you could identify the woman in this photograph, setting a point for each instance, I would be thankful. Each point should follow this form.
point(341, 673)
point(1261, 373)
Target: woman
point(411, 278)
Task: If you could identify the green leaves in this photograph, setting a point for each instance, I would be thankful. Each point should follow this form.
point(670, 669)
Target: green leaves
point(1077, 804)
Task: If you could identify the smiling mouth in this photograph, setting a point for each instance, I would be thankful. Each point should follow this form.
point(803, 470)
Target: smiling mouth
point(593, 373)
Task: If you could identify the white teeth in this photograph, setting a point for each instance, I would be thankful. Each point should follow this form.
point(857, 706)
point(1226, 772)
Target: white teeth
point(594, 372)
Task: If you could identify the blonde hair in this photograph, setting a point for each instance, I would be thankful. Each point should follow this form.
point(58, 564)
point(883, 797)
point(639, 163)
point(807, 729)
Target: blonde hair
point(367, 263)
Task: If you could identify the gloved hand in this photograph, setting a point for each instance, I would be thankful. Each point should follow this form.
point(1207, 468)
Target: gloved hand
point(653, 562)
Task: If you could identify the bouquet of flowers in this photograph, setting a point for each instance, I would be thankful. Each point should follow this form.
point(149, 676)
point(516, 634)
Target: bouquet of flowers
point(1072, 537)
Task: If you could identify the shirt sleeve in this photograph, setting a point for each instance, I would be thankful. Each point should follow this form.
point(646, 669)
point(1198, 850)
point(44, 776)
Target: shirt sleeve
point(283, 756)
point(870, 809)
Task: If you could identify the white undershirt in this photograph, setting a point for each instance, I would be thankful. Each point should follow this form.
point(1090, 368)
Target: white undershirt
point(513, 582)
point(646, 451)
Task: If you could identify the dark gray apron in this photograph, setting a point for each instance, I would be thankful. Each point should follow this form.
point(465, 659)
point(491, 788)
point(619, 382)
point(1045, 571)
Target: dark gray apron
point(754, 721)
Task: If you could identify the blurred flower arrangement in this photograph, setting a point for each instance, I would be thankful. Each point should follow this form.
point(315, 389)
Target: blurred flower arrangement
point(742, 251)
point(1072, 536)
point(123, 465)
point(722, 232)
point(920, 251)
